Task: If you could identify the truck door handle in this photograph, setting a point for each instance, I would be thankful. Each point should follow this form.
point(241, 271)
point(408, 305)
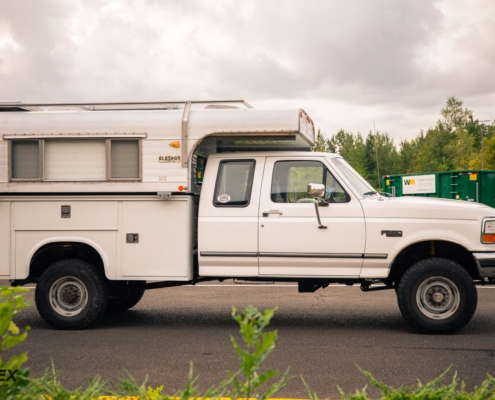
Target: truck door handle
point(267, 213)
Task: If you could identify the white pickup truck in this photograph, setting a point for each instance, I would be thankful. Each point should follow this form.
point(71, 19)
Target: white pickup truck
point(99, 202)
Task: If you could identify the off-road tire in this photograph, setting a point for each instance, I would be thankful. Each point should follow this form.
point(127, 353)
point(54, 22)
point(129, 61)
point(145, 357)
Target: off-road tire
point(437, 296)
point(71, 294)
point(122, 297)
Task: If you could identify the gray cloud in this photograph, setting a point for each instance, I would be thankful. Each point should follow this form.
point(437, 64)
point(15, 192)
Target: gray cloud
point(347, 63)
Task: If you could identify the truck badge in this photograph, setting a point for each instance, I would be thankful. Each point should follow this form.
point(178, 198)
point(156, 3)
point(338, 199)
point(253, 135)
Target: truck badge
point(169, 159)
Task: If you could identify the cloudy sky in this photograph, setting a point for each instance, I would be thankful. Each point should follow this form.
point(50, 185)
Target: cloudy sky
point(348, 63)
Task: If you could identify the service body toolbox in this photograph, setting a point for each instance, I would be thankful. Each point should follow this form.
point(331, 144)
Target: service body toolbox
point(100, 202)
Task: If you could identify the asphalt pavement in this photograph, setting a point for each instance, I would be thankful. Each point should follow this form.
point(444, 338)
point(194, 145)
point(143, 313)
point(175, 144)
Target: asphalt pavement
point(323, 336)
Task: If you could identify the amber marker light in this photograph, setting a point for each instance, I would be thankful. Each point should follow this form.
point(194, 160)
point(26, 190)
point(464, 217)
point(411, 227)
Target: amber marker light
point(488, 235)
point(175, 145)
point(488, 238)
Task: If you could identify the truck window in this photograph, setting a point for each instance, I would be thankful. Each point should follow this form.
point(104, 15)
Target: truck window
point(333, 191)
point(290, 182)
point(234, 183)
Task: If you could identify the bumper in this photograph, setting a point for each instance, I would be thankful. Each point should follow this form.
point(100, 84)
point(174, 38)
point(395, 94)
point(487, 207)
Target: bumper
point(485, 263)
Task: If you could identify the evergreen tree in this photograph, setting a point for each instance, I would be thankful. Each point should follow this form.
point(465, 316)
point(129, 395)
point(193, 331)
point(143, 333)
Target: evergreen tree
point(351, 147)
point(453, 143)
point(320, 143)
point(454, 116)
point(382, 157)
point(460, 150)
point(433, 154)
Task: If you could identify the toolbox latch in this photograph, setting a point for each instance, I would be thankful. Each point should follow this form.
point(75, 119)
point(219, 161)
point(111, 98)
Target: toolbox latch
point(164, 195)
point(132, 237)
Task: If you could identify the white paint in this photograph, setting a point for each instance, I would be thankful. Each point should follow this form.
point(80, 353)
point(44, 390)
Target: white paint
point(228, 229)
point(5, 269)
point(165, 245)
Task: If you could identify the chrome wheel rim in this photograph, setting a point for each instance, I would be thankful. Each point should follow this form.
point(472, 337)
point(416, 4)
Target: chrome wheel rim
point(68, 296)
point(438, 297)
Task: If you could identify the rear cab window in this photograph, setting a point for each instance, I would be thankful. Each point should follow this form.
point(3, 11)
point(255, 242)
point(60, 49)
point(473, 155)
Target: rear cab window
point(234, 183)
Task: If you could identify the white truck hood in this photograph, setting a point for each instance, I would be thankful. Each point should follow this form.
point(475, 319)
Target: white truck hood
point(424, 207)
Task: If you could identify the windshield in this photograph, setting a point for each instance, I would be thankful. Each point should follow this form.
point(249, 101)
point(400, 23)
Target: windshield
point(356, 180)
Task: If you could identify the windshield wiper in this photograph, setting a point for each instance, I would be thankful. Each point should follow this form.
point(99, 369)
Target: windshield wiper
point(370, 193)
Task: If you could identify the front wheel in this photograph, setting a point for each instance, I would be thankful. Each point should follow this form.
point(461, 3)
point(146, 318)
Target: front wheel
point(437, 295)
point(71, 294)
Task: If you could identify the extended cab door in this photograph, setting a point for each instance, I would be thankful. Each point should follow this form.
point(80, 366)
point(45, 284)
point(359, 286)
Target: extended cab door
point(228, 217)
point(290, 241)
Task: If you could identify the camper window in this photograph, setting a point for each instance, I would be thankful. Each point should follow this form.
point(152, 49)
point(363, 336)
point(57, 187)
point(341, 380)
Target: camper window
point(64, 159)
point(74, 160)
point(25, 160)
point(124, 157)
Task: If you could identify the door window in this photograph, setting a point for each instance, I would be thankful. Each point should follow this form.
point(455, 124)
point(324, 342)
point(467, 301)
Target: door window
point(290, 182)
point(234, 183)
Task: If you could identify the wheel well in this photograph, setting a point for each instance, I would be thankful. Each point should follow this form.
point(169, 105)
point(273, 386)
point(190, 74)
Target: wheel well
point(53, 252)
point(432, 248)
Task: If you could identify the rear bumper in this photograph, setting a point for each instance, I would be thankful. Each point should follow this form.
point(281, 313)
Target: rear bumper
point(485, 263)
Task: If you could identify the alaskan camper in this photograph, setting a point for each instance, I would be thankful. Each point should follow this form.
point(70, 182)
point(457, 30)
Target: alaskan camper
point(100, 202)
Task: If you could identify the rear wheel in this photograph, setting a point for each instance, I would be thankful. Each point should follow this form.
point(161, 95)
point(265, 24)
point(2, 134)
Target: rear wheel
point(437, 295)
point(122, 297)
point(71, 294)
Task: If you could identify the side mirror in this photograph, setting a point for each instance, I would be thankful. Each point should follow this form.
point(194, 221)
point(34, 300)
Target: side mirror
point(316, 190)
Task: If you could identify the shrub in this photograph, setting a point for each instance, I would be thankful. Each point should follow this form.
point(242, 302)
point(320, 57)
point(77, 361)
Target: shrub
point(14, 378)
point(245, 383)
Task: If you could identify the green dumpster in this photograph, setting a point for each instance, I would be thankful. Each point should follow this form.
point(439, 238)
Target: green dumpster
point(468, 185)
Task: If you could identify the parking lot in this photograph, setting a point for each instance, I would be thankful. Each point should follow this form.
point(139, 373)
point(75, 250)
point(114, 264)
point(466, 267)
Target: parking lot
point(323, 337)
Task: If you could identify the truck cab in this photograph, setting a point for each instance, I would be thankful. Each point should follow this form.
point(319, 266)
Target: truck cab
point(257, 220)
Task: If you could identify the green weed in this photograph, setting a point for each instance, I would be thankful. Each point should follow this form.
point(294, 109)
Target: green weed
point(11, 303)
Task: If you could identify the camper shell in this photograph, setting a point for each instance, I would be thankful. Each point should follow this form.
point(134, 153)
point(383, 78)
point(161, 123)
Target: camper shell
point(134, 147)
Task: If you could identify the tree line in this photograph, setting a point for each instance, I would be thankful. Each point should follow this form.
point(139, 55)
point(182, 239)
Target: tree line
point(453, 143)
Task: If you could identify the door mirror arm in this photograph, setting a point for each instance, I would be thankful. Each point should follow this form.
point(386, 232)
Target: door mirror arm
point(322, 203)
point(317, 190)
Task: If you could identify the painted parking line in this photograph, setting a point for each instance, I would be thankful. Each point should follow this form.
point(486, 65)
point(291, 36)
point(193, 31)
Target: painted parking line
point(264, 285)
point(196, 398)
point(229, 285)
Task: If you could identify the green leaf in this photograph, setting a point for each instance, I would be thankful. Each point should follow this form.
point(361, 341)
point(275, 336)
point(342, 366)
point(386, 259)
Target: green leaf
point(13, 328)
